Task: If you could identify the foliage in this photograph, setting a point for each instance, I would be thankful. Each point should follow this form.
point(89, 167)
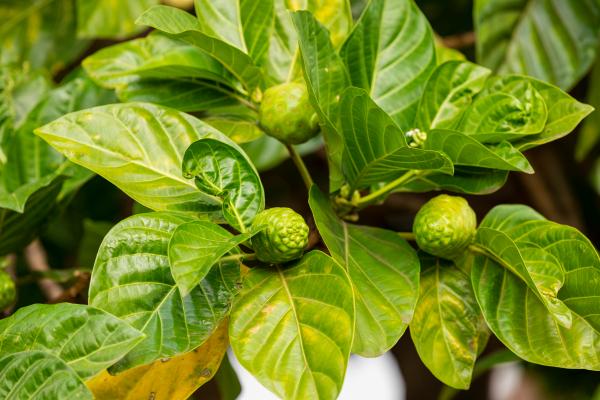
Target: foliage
point(207, 264)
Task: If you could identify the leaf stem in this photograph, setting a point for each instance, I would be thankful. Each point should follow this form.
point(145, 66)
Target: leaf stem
point(475, 248)
point(407, 235)
point(382, 191)
point(308, 182)
point(482, 366)
point(239, 257)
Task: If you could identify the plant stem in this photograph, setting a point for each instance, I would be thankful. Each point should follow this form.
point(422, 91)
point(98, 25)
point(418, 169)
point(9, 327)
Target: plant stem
point(481, 367)
point(308, 182)
point(239, 257)
point(484, 252)
point(373, 196)
point(407, 235)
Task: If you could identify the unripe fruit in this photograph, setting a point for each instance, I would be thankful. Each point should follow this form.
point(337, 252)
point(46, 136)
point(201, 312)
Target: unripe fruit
point(7, 290)
point(283, 239)
point(287, 115)
point(445, 226)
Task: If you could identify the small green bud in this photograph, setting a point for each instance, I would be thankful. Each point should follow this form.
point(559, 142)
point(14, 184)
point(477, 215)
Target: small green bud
point(285, 236)
point(8, 291)
point(445, 226)
point(287, 115)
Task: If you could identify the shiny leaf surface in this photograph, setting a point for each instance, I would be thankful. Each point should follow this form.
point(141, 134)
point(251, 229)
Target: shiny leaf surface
point(132, 279)
point(292, 327)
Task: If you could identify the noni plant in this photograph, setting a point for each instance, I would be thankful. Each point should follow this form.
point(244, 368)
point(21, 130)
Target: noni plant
point(185, 119)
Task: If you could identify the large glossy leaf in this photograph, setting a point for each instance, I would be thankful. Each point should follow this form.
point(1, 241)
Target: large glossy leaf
point(176, 378)
point(181, 94)
point(132, 280)
point(448, 93)
point(464, 150)
point(553, 40)
point(155, 56)
point(515, 313)
point(375, 149)
point(107, 19)
point(195, 247)
point(245, 24)
point(223, 171)
point(384, 271)
point(391, 53)
point(507, 109)
point(183, 25)
point(326, 78)
point(34, 375)
point(448, 329)
point(86, 339)
point(39, 32)
point(292, 328)
point(139, 147)
point(522, 110)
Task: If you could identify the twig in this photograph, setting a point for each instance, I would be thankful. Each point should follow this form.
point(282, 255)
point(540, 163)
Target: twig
point(38, 262)
point(459, 41)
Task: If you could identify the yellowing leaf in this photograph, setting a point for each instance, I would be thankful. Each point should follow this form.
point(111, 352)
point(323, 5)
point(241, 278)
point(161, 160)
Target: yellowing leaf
point(177, 378)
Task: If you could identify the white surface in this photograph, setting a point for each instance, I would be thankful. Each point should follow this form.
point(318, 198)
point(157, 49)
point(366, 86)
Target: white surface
point(375, 378)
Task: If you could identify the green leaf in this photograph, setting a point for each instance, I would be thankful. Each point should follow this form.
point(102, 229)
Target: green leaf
point(292, 328)
point(552, 40)
point(448, 329)
point(18, 229)
point(245, 24)
point(155, 56)
point(444, 54)
point(181, 94)
point(507, 108)
point(448, 93)
point(240, 130)
point(464, 150)
point(132, 280)
point(391, 53)
point(526, 261)
point(39, 32)
point(326, 77)
point(138, 147)
point(182, 25)
point(86, 339)
point(35, 375)
point(466, 180)
point(514, 312)
point(222, 20)
point(195, 247)
point(384, 271)
point(375, 149)
point(281, 60)
point(223, 171)
point(110, 20)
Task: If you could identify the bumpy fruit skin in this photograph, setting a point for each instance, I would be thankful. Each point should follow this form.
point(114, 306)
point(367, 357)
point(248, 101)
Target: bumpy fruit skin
point(286, 113)
point(285, 236)
point(445, 226)
point(7, 290)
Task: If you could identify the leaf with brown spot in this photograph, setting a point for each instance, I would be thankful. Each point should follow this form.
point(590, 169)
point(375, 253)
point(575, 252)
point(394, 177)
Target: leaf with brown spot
point(184, 374)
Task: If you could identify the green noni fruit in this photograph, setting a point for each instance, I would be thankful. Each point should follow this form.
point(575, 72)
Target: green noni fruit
point(284, 238)
point(7, 290)
point(287, 115)
point(445, 226)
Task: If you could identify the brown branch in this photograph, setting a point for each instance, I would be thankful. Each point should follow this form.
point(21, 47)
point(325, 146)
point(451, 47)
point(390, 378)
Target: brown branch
point(37, 260)
point(71, 293)
point(459, 41)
